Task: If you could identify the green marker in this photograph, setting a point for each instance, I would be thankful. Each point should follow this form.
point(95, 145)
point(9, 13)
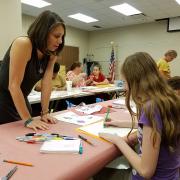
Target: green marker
point(107, 114)
point(81, 148)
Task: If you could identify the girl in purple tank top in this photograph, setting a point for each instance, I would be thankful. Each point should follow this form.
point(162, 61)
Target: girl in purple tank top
point(158, 114)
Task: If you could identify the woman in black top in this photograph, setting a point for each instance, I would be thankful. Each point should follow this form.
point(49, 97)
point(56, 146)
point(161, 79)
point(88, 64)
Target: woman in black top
point(28, 60)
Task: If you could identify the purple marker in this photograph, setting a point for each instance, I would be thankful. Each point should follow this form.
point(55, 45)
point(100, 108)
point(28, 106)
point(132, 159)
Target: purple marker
point(81, 121)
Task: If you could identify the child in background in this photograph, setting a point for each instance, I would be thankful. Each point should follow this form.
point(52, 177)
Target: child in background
point(174, 82)
point(97, 76)
point(163, 65)
point(58, 81)
point(158, 114)
point(76, 76)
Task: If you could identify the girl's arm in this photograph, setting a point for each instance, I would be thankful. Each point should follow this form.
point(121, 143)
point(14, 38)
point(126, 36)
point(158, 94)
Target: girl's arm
point(103, 82)
point(145, 164)
point(89, 80)
point(20, 54)
point(164, 74)
point(46, 90)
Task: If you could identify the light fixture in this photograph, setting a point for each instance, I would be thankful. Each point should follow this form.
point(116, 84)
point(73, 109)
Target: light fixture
point(83, 18)
point(126, 9)
point(178, 1)
point(36, 3)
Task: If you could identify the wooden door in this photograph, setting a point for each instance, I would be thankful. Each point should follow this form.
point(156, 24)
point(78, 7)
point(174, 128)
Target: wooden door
point(68, 56)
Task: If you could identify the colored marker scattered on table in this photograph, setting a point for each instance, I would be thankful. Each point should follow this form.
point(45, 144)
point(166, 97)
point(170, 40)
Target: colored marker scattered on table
point(107, 115)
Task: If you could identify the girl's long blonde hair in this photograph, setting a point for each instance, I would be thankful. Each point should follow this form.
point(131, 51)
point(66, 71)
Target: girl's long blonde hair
point(147, 85)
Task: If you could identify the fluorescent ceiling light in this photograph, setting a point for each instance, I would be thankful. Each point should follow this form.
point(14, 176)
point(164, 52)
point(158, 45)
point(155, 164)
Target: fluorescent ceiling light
point(83, 18)
point(36, 3)
point(126, 9)
point(178, 1)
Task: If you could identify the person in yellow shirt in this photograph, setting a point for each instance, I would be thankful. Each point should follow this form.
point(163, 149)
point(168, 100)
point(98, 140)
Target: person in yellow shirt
point(58, 81)
point(163, 65)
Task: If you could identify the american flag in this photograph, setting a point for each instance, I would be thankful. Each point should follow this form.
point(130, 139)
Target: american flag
point(112, 67)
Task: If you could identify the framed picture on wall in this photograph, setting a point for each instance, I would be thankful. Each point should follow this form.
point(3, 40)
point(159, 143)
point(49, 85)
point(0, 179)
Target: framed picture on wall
point(173, 24)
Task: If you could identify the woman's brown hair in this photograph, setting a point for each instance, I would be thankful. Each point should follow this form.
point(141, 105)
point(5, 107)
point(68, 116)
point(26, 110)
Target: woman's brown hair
point(74, 65)
point(41, 27)
point(144, 80)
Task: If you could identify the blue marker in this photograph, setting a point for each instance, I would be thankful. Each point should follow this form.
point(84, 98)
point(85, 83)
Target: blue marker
point(81, 148)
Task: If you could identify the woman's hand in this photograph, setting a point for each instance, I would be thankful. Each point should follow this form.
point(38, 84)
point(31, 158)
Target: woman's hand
point(48, 119)
point(36, 124)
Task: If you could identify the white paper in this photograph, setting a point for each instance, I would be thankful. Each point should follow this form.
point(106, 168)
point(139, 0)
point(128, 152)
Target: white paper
point(119, 102)
point(64, 146)
point(98, 127)
point(88, 87)
point(89, 109)
point(34, 96)
point(74, 118)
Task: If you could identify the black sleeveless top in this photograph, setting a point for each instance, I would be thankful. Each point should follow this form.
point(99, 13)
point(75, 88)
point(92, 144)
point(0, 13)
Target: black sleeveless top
point(34, 71)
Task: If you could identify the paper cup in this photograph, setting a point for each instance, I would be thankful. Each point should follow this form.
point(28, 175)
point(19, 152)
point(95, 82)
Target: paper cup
point(69, 85)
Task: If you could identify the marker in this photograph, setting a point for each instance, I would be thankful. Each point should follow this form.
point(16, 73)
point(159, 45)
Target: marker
point(30, 134)
point(10, 173)
point(20, 163)
point(107, 114)
point(81, 148)
point(63, 137)
point(81, 121)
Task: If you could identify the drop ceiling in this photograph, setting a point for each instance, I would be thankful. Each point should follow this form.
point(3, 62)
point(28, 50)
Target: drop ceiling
point(99, 9)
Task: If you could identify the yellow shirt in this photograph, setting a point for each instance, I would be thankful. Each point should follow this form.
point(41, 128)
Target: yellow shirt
point(163, 65)
point(58, 82)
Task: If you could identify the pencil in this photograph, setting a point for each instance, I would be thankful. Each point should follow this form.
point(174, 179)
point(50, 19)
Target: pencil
point(20, 163)
point(86, 140)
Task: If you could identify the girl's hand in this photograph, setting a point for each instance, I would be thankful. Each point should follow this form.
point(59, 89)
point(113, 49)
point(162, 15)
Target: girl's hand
point(48, 119)
point(91, 77)
point(83, 75)
point(95, 83)
point(118, 123)
point(114, 138)
point(38, 124)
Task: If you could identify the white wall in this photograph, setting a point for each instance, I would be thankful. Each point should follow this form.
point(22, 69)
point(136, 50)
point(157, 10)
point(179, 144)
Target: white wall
point(74, 37)
point(151, 38)
point(11, 23)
